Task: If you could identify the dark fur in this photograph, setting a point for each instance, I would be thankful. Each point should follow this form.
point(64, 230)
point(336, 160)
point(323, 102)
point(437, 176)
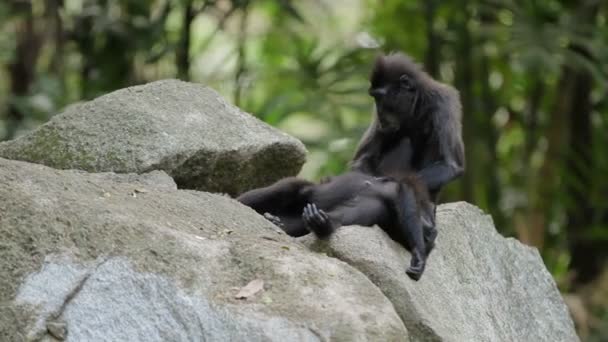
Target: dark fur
point(417, 127)
point(398, 206)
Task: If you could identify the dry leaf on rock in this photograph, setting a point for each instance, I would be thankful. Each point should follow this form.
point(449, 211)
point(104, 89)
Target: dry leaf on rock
point(250, 289)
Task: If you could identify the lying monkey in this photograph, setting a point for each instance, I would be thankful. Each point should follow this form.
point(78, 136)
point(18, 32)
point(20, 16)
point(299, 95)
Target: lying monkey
point(399, 206)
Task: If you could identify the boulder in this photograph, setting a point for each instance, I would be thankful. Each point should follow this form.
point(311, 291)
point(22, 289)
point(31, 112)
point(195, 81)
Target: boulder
point(184, 129)
point(125, 257)
point(478, 285)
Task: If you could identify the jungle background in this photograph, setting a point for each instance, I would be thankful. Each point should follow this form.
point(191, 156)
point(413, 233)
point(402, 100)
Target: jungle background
point(532, 76)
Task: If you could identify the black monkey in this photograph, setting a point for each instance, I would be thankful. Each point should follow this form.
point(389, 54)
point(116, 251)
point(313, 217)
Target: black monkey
point(417, 126)
point(401, 207)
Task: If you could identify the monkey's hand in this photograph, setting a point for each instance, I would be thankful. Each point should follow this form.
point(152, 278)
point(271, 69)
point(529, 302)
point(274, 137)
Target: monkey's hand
point(274, 219)
point(317, 221)
point(416, 265)
point(438, 174)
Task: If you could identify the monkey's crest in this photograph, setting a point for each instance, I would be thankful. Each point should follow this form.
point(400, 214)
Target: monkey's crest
point(388, 68)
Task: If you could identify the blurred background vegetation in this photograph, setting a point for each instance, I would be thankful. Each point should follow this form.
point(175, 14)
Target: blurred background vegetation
point(532, 77)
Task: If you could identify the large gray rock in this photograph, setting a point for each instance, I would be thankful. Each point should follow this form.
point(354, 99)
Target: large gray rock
point(478, 286)
point(185, 129)
point(106, 257)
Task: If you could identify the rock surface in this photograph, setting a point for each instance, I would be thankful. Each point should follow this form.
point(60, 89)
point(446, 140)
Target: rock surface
point(129, 257)
point(478, 286)
point(106, 257)
point(185, 129)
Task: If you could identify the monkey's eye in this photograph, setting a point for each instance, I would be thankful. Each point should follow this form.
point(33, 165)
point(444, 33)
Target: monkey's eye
point(405, 82)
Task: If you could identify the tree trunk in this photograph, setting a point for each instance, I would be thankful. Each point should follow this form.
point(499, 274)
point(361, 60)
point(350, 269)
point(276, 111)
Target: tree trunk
point(240, 64)
point(22, 69)
point(586, 254)
point(490, 135)
point(53, 12)
point(431, 61)
point(464, 81)
point(183, 51)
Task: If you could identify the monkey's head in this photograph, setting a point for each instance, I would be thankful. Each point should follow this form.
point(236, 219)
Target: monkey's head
point(396, 86)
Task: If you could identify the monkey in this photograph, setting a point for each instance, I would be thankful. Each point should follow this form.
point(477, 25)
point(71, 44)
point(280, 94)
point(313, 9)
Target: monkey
point(416, 128)
point(401, 207)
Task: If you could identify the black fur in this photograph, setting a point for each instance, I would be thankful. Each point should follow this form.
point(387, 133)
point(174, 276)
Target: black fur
point(417, 126)
point(398, 205)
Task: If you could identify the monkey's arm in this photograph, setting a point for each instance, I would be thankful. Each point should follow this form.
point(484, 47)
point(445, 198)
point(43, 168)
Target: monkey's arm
point(366, 161)
point(440, 173)
point(368, 152)
point(445, 151)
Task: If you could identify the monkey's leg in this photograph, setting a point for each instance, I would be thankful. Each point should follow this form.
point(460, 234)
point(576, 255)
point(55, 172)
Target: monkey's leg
point(281, 203)
point(429, 229)
point(430, 234)
point(278, 197)
point(418, 261)
point(293, 225)
point(411, 225)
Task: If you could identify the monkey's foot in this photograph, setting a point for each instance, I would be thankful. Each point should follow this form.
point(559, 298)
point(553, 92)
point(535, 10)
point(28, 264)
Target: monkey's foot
point(317, 220)
point(274, 219)
point(417, 266)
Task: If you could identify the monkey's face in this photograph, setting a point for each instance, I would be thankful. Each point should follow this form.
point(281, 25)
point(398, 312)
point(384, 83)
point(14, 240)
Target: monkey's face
point(395, 99)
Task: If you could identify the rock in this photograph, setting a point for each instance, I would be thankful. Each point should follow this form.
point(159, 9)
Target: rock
point(83, 259)
point(185, 129)
point(478, 286)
